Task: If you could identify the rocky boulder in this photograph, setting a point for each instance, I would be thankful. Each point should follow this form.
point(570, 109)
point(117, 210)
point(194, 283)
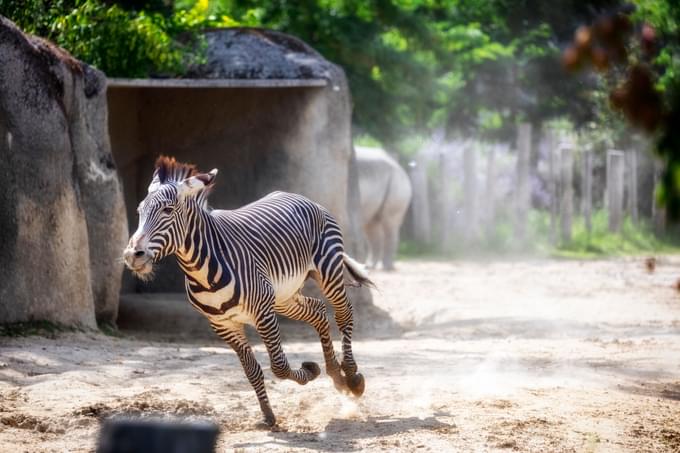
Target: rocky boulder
point(63, 220)
point(256, 53)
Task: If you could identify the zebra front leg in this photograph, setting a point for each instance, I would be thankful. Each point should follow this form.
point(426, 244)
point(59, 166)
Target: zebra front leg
point(267, 327)
point(313, 312)
point(234, 335)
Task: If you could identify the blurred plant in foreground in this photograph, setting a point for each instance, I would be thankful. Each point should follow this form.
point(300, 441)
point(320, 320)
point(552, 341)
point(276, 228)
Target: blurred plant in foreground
point(637, 51)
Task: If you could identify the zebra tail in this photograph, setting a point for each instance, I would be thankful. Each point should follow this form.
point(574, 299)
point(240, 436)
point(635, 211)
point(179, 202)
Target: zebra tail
point(357, 271)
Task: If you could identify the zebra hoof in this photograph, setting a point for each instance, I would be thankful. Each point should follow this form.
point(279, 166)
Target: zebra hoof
point(268, 423)
point(356, 384)
point(312, 368)
point(340, 385)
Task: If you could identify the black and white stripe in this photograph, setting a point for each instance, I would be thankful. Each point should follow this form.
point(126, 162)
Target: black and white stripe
point(247, 265)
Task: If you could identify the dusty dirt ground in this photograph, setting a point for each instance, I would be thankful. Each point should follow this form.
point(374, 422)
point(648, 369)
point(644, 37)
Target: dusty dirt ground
point(529, 356)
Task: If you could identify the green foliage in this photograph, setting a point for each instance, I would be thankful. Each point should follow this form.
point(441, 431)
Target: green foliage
point(366, 140)
point(500, 240)
point(409, 63)
point(122, 43)
point(632, 240)
point(34, 16)
point(664, 16)
point(117, 42)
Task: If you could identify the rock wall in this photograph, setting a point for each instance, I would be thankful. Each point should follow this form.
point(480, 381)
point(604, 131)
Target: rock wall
point(63, 220)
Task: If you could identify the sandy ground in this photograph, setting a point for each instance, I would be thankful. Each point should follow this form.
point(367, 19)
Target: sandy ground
point(527, 356)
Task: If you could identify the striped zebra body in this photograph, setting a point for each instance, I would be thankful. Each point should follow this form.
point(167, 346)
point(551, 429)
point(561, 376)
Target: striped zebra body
point(251, 239)
point(247, 265)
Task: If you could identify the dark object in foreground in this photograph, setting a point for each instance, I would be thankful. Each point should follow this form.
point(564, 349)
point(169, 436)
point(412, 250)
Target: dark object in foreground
point(127, 435)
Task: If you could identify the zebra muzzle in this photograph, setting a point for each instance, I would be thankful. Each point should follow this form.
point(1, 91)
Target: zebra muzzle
point(138, 261)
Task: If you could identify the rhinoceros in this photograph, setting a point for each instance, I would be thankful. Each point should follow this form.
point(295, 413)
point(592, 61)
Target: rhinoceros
point(385, 191)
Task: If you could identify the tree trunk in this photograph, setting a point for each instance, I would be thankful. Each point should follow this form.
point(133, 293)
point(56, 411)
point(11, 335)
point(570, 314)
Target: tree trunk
point(567, 198)
point(587, 200)
point(522, 194)
point(444, 201)
point(470, 190)
point(632, 185)
point(490, 195)
point(420, 208)
point(551, 139)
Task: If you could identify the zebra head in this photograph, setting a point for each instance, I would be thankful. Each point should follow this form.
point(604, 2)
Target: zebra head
point(176, 191)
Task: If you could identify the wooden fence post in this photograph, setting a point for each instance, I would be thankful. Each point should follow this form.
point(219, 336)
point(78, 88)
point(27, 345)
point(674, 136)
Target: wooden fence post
point(632, 185)
point(615, 170)
point(587, 198)
point(470, 189)
point(522, 197)
point(420, 207)
point(444, 200)
point(567, 198)
point(490, 195)
point(553, 188)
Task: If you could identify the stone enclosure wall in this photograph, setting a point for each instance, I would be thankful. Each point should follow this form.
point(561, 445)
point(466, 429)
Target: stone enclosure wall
point(63, 220)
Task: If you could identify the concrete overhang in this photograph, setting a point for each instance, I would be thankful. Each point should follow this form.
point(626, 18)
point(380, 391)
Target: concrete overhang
point(215, 83)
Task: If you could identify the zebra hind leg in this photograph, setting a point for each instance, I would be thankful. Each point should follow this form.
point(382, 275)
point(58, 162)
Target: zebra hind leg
point(267, 327)
point(234, 335)
point(331, 279)
point(313, 312)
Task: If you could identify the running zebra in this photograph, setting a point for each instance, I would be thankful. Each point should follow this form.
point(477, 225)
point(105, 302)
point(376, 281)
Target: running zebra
point(247, 265)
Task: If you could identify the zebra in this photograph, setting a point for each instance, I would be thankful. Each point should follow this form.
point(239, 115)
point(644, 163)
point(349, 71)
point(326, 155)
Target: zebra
point(247, 265)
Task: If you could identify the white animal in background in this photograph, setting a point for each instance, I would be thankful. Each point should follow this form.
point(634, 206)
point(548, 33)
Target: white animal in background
point(385, 191)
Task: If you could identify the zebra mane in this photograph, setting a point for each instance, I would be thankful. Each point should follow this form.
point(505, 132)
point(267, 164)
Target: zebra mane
point(168, 170)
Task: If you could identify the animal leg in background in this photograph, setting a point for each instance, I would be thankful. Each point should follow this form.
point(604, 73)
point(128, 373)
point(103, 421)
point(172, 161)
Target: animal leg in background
point(374, 236)
point(390, 236)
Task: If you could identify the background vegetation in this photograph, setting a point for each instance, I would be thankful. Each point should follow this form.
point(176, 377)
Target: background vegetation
point(465, 67)
point(468, 66)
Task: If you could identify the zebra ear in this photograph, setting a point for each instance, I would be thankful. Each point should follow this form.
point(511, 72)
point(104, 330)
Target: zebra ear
point(155, 182)
point(207, 178)
point(197, 183)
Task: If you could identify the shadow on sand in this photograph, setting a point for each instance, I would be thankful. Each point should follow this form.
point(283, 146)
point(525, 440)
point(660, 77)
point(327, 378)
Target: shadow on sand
point(341, 434)
point(170, 317)
point(670, 391)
